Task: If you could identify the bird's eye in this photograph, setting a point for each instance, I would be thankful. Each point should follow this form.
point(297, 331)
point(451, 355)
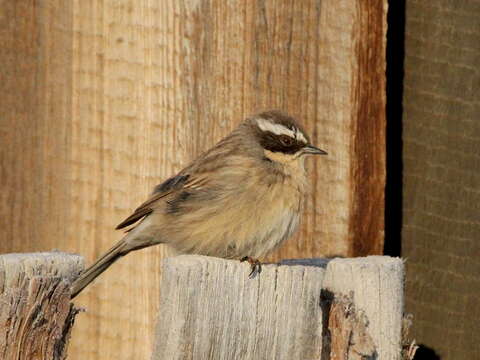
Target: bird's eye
point(286, 140)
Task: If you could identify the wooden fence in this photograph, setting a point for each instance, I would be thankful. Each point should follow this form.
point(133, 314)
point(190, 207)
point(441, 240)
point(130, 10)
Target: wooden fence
point(102, 100)
point(349, 309)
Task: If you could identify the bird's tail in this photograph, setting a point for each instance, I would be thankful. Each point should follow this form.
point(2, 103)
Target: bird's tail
point(87, 276)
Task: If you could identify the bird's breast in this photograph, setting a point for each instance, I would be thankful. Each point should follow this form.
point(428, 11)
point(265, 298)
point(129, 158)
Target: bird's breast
point(250, 219)
point(277, 217)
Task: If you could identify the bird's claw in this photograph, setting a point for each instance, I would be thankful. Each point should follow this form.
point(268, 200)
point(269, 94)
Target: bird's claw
point(255, 265)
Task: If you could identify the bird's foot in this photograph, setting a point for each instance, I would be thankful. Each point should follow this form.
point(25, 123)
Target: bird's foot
point(255, 265)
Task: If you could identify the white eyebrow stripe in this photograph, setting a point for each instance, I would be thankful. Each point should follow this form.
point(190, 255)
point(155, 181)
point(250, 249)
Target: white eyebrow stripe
point(277, 129)
point(300, 136)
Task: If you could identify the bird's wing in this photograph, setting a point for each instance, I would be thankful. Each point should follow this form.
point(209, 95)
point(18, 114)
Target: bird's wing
point(169, 186)
point(192, 178)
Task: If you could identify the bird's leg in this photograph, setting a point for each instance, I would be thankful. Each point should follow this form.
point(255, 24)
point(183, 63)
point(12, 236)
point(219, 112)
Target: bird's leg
point(255, 265)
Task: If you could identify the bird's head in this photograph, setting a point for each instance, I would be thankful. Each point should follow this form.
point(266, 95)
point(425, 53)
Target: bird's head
point(281, 137)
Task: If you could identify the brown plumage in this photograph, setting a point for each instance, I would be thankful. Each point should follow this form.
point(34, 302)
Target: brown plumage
point(241, 198)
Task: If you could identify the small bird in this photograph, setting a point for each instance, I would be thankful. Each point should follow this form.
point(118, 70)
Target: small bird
point(238, 200)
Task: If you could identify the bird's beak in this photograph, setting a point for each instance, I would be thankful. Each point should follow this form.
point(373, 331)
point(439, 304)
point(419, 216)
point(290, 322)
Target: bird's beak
point(312, 150)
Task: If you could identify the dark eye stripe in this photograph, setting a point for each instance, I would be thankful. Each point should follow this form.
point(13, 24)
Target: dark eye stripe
point(274, 143)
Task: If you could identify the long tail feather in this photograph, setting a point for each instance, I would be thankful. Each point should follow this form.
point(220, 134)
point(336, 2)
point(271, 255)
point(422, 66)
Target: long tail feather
point(102, 264)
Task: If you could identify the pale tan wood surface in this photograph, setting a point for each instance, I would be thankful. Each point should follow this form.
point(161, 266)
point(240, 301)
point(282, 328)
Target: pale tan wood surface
point(101, 100)
point(210, 309)
point(36, 315)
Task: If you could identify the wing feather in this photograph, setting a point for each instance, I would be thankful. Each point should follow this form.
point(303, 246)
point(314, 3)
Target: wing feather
point(195, 177)
point(167, 187)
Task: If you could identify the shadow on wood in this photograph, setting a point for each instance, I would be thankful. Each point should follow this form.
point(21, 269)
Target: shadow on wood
point(36, 315)
point(210, 309)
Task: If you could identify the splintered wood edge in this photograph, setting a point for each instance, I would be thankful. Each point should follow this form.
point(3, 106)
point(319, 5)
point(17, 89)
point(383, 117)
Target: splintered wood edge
point(348, 337)
point(36, 317)
point(16, 266)
point(376, 286)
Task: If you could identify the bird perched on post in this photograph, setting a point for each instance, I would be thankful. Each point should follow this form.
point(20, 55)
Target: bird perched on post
point(239, 200)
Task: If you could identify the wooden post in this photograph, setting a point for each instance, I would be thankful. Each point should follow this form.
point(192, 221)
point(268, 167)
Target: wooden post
point(103, 99)
point(36, 315)
point(209, 308)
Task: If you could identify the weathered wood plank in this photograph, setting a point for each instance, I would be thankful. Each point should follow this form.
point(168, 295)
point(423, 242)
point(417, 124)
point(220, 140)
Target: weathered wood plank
point(36, 315)
point(210, 309)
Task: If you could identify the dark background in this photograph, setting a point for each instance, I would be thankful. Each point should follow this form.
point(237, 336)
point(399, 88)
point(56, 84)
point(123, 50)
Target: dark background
point(433, 170)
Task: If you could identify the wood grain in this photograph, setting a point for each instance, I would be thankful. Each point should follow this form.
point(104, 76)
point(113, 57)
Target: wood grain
point(35, 125)
point(210, 309)
point(368, 130)
point(36, 315)
point(375, 282)
point(349, 338)
point(105, 99)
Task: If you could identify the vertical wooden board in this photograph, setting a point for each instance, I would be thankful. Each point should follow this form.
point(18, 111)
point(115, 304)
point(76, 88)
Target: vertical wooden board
point(441, 152)
point(123, 146)
point(367, 149)
point(35, 108)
